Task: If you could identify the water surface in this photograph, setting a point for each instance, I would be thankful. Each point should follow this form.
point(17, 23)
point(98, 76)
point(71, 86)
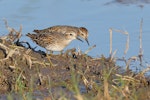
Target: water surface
point(96, 15)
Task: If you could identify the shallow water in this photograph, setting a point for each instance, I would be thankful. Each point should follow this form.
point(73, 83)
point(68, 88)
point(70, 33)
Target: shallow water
point(96, 15)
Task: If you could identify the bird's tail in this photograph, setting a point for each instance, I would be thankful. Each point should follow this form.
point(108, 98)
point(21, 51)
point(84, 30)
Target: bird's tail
point(36, 31)
point(32, 36)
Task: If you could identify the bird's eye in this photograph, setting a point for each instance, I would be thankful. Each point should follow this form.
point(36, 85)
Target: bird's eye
point(70, 34)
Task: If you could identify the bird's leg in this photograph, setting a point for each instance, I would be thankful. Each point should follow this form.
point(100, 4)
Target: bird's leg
point(61, 52)
point(48, 57)
point(51, 52)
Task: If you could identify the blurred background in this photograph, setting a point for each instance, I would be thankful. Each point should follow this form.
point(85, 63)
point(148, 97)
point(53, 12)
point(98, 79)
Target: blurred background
point(96, 15)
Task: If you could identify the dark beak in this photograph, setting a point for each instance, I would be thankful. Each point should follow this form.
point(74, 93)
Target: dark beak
point(87, 41)
point(79, 39)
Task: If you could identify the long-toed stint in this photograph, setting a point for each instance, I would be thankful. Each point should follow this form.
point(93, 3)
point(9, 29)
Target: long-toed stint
point(53, 41)
point(64, 29)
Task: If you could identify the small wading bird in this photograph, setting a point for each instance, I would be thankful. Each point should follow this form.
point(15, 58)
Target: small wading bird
point(64, 29)
point(53, 41)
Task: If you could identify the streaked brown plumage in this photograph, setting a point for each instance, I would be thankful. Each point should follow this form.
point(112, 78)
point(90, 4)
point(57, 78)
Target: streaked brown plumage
point(80, 31)
point(53, 41)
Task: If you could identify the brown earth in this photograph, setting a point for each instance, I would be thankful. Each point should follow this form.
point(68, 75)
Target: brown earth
point(24, 69)
point(27, 65)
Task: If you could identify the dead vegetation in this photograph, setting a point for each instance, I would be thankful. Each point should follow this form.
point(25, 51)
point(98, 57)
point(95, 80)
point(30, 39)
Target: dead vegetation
point(74, 74)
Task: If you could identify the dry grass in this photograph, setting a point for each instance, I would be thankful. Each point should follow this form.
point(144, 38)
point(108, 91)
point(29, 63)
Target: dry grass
point(82, 77)
point(111, 43)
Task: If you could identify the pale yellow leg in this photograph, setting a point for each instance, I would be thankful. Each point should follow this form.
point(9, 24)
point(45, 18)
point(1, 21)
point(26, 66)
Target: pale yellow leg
point(48, 57)
point(61, 52)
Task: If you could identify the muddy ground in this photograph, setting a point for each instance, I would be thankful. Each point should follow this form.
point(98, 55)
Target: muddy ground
point(24, 69)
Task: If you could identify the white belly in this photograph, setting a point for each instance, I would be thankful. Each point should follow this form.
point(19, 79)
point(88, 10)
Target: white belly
point(57, 46)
